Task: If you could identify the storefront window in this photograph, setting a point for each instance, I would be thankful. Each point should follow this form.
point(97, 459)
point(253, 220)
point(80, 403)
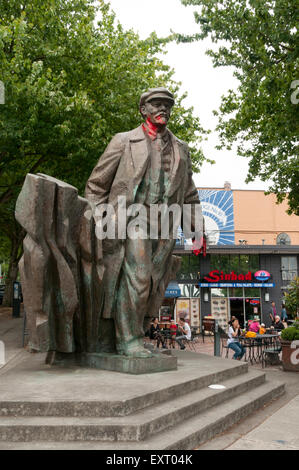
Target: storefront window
point(184, 269)
point(288, 267)
point(254, 263)
point(234, 263)
point(189, 290)
point(244, 264)
point(220, 262)
point(251, 309)
point(184, 290)
point(216, 262)
point(219, 292)
point(252, 292)
point(194, 263)
point(237, 263)
point(235, 292)
point(194, 290)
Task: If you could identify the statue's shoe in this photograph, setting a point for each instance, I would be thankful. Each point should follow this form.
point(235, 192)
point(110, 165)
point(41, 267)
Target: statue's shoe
point(136, 352)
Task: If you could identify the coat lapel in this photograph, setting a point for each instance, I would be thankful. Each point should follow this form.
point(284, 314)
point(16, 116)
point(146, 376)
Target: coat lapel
point(177, 171)
point(140, 157)
point(139, 154)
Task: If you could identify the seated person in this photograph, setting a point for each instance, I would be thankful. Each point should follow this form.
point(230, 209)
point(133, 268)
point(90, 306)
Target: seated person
point(173, 330)
point(185, 333)
point(263, 329)
point(277, 324)
point(255, 325)
point(233, 341)
point(155, 333)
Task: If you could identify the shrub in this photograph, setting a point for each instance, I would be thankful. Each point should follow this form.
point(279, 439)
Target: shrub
point(290, 334)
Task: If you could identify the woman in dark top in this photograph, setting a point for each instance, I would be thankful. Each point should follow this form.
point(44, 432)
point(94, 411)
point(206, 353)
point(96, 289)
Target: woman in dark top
point(155, 333)
point(278, 325)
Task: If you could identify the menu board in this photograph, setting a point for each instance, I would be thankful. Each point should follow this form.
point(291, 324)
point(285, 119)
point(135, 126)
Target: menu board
point(195, 315)
point(220, 311)
point(183, 309)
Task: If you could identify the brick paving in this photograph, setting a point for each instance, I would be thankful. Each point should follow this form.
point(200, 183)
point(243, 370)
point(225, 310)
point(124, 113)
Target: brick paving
point(15, 326)
point(207, 347)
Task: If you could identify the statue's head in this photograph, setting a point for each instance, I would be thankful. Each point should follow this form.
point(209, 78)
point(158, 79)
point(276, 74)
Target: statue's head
point(155, 105)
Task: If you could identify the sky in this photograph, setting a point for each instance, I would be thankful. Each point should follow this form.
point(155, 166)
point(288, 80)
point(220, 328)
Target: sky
point(204, 84)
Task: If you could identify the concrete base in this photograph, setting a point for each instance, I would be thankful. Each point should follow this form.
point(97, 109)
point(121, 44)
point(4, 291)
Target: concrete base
point(157, 363)
point(76, 407)
point(114, 362)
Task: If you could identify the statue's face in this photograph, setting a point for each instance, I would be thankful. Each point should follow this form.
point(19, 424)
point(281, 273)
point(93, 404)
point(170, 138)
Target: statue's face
point(157, 111)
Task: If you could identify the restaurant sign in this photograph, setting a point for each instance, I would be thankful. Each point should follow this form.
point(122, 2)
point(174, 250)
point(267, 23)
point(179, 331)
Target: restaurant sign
point(218, 278)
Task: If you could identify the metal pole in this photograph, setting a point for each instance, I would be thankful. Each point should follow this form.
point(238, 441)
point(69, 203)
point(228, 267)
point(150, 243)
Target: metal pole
point(216, 340)
point(16, 300)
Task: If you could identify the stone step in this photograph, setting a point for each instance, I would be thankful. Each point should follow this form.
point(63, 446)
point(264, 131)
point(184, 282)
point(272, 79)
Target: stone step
point(175, 384)
point(136, 427)
point(189, 434)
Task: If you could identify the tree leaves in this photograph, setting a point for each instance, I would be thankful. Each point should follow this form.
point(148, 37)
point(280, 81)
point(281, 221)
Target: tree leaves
point(260, 39)
point(70, 85)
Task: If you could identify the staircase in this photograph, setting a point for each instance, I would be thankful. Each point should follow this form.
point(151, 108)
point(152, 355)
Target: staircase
point(176, 411)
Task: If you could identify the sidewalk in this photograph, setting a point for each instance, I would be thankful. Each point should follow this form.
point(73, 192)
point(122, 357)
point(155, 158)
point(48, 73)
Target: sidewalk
point(279, 432)
point(11, 333)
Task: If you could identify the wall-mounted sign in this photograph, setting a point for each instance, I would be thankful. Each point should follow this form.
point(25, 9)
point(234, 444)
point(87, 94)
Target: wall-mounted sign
point(235, 284)
point(173, 290)
point(216, 276)
point(253, 301)
point(262, 275)
point(218, 211)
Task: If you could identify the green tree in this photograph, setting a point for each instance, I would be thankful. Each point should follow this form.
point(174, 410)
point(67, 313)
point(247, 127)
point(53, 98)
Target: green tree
point(260, 39)
point(70, 85)
point(291, 298)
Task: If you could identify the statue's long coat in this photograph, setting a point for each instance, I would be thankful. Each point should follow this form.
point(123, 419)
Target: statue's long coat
point(119, 172)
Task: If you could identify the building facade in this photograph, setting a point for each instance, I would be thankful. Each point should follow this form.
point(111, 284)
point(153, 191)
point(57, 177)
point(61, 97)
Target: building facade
point(252, 256)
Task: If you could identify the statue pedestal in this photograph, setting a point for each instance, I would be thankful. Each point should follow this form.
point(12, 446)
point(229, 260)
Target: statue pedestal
point(129, 365)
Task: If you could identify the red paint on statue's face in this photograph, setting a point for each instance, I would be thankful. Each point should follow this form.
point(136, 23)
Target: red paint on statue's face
point(157, 112)
point(161, 119)
point(150, 128)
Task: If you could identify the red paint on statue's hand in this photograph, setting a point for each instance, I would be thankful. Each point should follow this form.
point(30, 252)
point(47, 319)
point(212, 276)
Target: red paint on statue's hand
point(199, 247)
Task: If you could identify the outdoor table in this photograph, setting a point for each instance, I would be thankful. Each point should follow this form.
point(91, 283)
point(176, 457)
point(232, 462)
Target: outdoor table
point(256, 346)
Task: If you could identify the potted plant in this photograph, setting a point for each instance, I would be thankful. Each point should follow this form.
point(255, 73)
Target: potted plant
point(290, 348)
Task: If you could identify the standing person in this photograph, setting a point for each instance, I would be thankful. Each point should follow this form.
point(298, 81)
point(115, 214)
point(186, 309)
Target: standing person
point(284, 316)
point(233, 342)
point(184, 328)
point(155, 333)
point(150, 168)
point(273, 312)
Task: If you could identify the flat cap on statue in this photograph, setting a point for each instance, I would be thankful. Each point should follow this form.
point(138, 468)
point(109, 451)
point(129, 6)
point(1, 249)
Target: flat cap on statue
point(154, 93)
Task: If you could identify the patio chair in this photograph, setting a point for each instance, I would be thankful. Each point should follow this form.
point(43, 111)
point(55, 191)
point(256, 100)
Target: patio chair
point(270, 355)
point(191, 343)
point(223, 339)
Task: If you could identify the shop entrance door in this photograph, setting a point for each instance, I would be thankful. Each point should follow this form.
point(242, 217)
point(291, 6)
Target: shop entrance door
point(237, 310)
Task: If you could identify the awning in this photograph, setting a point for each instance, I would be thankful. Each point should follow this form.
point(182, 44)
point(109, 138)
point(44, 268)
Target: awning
point(173, 290)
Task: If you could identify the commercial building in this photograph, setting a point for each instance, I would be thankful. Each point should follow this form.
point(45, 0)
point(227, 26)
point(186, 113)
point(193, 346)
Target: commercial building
point(252, 255)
